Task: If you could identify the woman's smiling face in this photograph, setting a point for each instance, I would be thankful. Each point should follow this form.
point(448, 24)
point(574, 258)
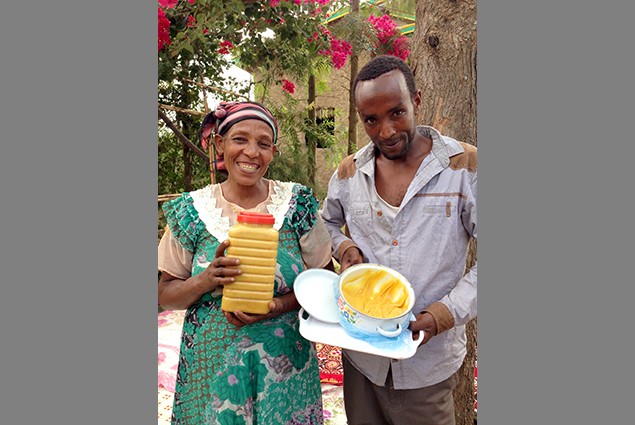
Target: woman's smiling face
point(247, 148)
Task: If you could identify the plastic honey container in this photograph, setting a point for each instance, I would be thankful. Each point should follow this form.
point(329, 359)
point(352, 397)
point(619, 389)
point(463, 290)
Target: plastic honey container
point(254, 241)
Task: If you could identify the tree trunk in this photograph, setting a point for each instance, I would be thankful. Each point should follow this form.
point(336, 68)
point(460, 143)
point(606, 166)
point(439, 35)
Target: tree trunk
point(443, 58)
point(310, 140)
point(352, 111)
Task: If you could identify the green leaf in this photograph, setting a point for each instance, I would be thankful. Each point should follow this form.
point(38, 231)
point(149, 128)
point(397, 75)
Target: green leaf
point(187, 46)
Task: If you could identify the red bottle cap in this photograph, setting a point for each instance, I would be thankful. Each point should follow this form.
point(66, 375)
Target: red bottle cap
point(251, 217)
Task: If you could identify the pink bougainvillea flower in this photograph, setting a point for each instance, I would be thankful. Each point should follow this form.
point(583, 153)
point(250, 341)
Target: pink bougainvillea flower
point(274, 3)
point(191, 21)
point(164, 30)
point(225, 46)
point(168, 4)
point(191, 1)
point(400, 47)
point(288, 86)
point(339, 52)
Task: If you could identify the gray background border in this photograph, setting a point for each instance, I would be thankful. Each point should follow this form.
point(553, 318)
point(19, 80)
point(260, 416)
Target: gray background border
point(78, 221)
point(78, 176)
point(556, 100)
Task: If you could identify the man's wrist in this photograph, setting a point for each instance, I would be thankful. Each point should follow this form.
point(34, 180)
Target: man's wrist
point(345, 246)
point(441, 315)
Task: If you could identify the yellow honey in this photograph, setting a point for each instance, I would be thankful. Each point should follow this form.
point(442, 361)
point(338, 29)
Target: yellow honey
point(376, 293)
point(254, 241)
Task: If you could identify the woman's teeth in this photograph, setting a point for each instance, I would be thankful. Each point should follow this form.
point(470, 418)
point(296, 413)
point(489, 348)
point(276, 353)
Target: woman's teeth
point(248, 167)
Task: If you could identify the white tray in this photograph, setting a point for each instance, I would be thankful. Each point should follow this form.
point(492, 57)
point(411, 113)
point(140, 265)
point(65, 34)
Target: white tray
point(334, 334)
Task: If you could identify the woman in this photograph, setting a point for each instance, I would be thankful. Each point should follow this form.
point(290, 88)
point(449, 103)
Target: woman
point(238, 368)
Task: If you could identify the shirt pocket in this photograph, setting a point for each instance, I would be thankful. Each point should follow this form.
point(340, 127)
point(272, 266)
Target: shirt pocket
point(438, 205)
point(440, 209)
point(361, 218)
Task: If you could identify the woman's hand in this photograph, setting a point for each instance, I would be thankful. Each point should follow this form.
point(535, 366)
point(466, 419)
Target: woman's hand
point(426, 323)
point(176, 294)
point(217, 273)
point(277, 306)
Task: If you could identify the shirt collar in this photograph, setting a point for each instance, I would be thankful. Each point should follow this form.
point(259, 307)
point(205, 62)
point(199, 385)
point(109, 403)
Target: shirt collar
point(443, 148)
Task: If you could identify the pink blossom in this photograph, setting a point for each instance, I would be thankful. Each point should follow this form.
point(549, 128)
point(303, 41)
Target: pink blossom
point(339, 52)
point(385, 28)
point(225, 46)
point(389, 39)
point(191, 21)
point(288, 86)
point(163, 29)
point(168, 4)
point(191, 1)
point(274, 3)
point(400, 47)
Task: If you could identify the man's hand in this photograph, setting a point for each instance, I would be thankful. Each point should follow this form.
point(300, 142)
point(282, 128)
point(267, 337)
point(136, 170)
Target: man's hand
point(350, 257)
point(426, 323)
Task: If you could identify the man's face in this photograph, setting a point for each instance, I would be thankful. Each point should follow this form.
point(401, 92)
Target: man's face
point(387, 112)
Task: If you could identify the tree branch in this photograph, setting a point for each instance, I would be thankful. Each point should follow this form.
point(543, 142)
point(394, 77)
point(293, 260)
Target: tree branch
point(186, 111)
point(216, 89)
point(181, 137)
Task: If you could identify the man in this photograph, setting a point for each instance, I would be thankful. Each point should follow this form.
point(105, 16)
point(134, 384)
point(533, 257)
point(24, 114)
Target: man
point(408, 200)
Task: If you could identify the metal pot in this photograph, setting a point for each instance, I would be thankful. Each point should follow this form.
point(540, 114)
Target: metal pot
point(388, 327)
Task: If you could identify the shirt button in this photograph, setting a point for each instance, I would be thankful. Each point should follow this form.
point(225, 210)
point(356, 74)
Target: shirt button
point(379, 213)
point(394, 242)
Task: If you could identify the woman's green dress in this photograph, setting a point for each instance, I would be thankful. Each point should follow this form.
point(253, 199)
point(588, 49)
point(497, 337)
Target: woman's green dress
point(265, 373)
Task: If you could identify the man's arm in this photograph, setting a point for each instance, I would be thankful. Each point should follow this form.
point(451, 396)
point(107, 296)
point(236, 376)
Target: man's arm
point(345, 251)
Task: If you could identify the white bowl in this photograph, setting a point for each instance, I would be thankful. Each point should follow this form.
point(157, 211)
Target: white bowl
point(388, 327)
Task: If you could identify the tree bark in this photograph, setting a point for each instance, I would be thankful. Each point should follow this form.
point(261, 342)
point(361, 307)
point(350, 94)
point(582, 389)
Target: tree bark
point(443, 59)
point(352, 111)
point(310, 140)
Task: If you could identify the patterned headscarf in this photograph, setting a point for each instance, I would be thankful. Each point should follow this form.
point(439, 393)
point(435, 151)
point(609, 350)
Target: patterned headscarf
point(229, 113)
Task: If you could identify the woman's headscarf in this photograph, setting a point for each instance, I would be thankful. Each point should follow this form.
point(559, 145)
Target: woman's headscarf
point(229, 113)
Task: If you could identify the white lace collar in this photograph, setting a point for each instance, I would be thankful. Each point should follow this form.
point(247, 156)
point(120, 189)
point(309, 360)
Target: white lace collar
point(218, 225)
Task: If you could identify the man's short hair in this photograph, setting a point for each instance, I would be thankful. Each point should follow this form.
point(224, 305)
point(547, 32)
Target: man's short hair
point(382, 64)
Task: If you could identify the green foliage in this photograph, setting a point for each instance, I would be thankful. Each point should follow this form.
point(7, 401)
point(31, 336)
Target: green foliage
point(355, 28)
point(171, 164)
point(270, 42)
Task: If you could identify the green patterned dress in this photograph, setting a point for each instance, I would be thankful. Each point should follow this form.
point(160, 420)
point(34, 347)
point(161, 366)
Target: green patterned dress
point(265, 373)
